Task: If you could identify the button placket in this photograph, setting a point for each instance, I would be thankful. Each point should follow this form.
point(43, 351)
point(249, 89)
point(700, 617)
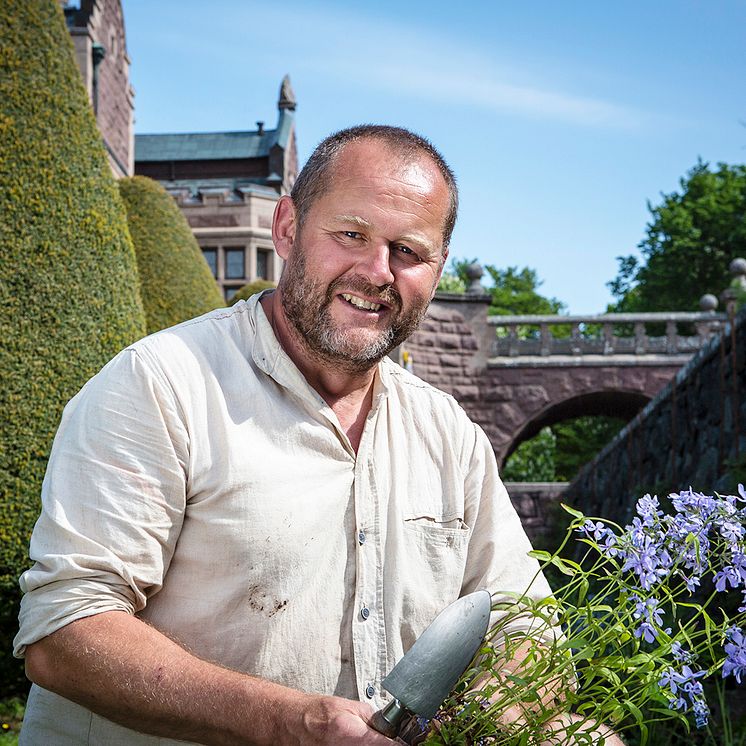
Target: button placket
point(366, 633)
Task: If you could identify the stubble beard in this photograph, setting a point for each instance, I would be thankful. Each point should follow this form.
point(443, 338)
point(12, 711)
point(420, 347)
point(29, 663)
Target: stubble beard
point(307, 306)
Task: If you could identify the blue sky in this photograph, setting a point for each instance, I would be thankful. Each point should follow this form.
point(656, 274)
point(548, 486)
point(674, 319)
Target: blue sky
point(561, 120)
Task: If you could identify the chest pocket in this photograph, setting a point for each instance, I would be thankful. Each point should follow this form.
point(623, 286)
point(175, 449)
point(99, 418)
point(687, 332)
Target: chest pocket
point(435, 547)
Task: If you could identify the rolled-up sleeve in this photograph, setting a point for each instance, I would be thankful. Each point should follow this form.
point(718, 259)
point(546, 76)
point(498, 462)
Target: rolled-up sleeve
point(113, 500)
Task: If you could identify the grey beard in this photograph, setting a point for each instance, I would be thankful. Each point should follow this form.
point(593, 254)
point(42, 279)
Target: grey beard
point(306, 306)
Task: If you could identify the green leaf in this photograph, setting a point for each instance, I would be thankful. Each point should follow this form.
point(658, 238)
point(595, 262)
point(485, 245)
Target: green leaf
point(564, 566)
point(636, 712)
point(572, 511)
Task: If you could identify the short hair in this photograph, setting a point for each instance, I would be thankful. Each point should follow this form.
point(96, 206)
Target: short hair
point(314, 178)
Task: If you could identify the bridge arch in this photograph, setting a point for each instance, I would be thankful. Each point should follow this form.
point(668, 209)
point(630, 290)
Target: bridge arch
point(513, 387)
point(624, 404)
point(524, 399)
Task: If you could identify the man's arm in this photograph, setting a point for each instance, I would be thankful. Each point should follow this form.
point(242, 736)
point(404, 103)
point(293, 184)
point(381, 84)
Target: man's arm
point(123, 669)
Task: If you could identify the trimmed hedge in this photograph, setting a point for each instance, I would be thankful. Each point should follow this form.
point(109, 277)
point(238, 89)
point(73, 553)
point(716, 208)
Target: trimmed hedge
point(175, 282)
point(69, 296)
point(251, 288)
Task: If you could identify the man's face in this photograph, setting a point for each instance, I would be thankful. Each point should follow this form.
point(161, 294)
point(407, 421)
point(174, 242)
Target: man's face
point(365, 264)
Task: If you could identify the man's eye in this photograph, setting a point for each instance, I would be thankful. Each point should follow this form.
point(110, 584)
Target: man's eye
point(351, 234)
point(406, 253)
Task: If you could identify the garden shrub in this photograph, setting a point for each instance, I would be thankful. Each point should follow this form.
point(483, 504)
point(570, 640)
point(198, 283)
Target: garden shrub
point(251, 288)
point(175, 282)
point(69, 297)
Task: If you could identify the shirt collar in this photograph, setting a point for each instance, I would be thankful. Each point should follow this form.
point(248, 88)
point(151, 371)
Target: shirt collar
point(270, 357)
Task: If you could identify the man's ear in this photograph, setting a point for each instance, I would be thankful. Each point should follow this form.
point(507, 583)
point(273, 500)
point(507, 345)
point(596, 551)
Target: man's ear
point(284, 226)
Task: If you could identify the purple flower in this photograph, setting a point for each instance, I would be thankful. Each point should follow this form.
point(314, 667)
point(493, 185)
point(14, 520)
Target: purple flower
point(738, 560)
point(735, 650)
point(646, 631)
point(701, 713)
point(731, 531)
point(680, 653)
point(668, 681)
point(647, 508)
point(727, 575)
point(685, 691)
point(691, 582)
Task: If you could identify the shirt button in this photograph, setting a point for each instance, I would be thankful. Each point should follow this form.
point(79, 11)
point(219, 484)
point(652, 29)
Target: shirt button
point(361, 537)
point(365, 612)
point(370, 691)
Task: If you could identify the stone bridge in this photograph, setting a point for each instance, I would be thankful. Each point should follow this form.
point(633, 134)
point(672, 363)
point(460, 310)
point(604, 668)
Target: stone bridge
point(516, 374)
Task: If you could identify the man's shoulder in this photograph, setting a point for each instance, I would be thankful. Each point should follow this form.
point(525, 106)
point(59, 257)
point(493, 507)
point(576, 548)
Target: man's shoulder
point(413, 390)
point(220, 320)
point(212, 331)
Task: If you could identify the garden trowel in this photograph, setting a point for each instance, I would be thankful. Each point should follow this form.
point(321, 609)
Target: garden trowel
point(424, 677)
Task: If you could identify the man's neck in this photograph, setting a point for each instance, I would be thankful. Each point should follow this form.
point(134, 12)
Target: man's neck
point(349, 394)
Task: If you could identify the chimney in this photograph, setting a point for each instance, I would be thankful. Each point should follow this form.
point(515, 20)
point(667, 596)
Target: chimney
point(260, 127)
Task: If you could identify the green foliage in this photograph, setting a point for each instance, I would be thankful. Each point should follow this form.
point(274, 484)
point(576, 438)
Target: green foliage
point(175, 282)
point(454, 279)
point(515, 292)
point(11, 716)
point(450, 282)
point(691, 239)
point(251, 288)
point(579, 440)
point(557, 453)
point(533, 460)
point(69, 296)
point(632, 647)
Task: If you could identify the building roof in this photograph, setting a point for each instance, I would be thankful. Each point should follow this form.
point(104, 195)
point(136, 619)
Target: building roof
point(200, 146)
point(210, 146)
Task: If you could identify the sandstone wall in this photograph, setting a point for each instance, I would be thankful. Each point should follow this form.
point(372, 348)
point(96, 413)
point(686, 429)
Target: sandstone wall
point(692, 434)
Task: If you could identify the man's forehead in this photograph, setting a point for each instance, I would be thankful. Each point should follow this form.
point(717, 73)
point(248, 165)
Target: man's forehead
point(371, 156)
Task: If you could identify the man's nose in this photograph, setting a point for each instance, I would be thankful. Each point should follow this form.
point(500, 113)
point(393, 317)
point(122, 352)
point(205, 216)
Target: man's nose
point(375, 264)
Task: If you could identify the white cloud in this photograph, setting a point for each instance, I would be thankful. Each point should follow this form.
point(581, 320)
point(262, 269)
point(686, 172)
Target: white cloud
point(358, 50)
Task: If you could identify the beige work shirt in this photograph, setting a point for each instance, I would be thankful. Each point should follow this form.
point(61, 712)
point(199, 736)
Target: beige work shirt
point(200, 483)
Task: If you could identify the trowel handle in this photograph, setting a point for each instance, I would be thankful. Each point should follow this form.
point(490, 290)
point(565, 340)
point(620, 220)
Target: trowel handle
point(389, 719)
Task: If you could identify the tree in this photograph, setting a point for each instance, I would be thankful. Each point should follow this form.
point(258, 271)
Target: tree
point(175, 282)
point(454, 279)
point(533, 460)
point(516, 292)
point(690, 240)
point(251, 288)
point(69, 295)
point(578, 440)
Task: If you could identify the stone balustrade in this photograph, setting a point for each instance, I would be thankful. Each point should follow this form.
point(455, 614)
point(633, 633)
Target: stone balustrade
point(601, 334)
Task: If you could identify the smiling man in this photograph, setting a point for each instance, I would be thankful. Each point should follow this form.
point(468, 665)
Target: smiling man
point(248, 518)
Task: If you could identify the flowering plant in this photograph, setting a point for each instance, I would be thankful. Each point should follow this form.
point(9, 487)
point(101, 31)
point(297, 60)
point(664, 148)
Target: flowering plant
point(648, 613)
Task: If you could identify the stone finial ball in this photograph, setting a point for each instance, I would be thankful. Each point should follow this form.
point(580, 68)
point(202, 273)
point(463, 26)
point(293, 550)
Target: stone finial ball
point(474, 271)
point(708, 302)
point(738, 266)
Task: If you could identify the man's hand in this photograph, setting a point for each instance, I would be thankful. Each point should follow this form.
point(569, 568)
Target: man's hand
point(589, 732)
point(545, 698)
point(126, 671)
point(333, 720)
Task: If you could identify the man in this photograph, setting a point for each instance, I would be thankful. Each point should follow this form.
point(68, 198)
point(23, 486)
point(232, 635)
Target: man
point(248, 519)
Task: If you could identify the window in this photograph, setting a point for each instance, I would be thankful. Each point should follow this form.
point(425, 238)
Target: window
point(234, 264)
point(262, 264)
point(231, 291)
point(211, 257)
